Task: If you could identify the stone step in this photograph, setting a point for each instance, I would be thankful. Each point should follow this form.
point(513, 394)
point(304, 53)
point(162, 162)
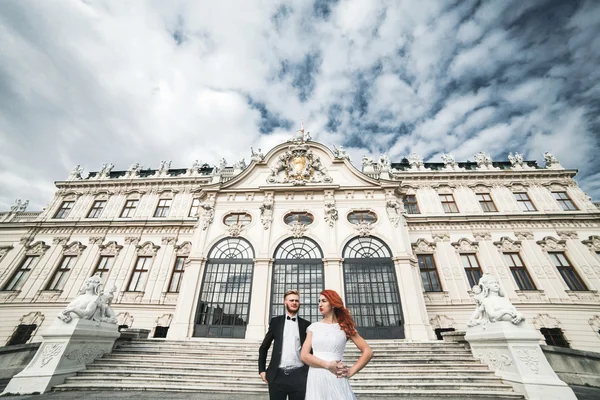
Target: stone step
point(254, 354)
point(218, 350)
point(242, 385)
point(246, 344)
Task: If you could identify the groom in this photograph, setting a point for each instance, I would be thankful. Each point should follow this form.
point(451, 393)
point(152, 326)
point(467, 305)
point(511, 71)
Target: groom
point(286, 374)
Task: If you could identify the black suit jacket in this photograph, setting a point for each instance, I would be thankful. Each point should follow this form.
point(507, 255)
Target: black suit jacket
point(275, 332)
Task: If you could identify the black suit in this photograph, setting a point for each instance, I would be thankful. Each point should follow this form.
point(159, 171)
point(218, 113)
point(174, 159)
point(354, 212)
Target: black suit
point(277, 380)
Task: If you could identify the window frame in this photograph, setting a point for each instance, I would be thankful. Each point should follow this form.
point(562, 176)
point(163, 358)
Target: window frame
point(565, 201)
point(526, 202)
point(447, 205)
point(568, 268)
point(362, 220)
point(61, 273)
point(63, 212)
point(129, 211)
point(409, 205)
point(161, 210)
point(245, 214)
point(299, 214)
point(195, 207)
point(429, 270)
point(104, 269)
point(27, 331)
point(515, 269)
point(551, 335)
point(177, 273)
point(25, 267)
point(470, 275)
point(487, 205)
point(96, 211)
point(140, 274)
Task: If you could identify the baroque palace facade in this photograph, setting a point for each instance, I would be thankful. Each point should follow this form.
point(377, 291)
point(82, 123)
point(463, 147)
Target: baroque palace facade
point(209, 251)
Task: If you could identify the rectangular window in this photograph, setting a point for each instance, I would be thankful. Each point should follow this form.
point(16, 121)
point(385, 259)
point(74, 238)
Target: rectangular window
point(177, 275)
point(103, 266)
point(554, 337)
point(524, 202)
point(410, 204)
point(22, 334)
point(472, 268)
point(568, 273)
point(429, 274)
point(21, 274)
point(564, 200)
point(129, 209)
point(448, 203)
point(97, 209)
point(61, 274)
point(519, 271)
point(486, 202)
point(162, 209)
point(140, 273)
point(64, 210)
point(194, 208)
point(161, 331)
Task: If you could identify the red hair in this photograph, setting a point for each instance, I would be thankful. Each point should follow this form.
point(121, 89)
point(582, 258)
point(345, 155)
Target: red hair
point(342, 313)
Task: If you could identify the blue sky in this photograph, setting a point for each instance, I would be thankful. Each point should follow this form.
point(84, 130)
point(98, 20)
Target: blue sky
point(90, 82)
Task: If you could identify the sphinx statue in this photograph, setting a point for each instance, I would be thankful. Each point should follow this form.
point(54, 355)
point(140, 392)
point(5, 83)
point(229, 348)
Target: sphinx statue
point(492, 306)
point(91, 304)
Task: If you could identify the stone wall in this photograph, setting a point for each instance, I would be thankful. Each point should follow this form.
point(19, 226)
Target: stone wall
point(14, 358)
point(574, 367)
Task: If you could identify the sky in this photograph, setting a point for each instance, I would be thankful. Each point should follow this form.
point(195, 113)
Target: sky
point(90, 82)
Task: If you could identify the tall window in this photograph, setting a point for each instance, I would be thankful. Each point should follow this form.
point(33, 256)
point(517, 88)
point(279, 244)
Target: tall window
point(472, 268)
point(486, 202)
point(554, 337)
point(140, 273)
point(519, 272)
point(129, 209)
point(162, 209)
point(22, 334)
point(64, 210)
point(177, 275)
point(448, 203)
point(97, 209)
point(429, 274)
point(21, 274)
point(195, 207)
point(62, 273)
point(103, 266)
point(566, 270)
point(410, 204)
point(564, 200)
point(524, 202)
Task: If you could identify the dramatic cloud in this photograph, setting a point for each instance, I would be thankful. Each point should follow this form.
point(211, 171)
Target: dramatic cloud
point(142, 81)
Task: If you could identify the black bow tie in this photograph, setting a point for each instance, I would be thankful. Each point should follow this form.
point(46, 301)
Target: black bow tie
point(293, 319)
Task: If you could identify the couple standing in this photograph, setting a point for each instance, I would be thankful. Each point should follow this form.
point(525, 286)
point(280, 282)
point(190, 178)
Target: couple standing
point(306, 361)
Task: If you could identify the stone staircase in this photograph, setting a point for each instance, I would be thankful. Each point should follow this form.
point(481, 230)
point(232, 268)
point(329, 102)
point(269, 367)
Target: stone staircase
point(399, 369)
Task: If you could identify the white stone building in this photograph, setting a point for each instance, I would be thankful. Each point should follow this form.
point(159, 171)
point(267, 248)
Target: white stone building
point(403, 243)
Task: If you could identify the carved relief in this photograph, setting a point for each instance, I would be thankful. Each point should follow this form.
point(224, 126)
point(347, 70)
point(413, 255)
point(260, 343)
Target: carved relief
point(50, 351)
point(110, 249)
point(394, 209)
point(506, 244)
point(266, 211)
point(147, 249)
point(183, 249)
point(529, 357)
point(363, 228)
point(549, 244)
point(331, 213)
point(465, 244)
point(545, 321)
point(423, 246)
point(299, 166)
point(234, 230)
point(207, 214)
point(85, 355)
point(442, 321)
point(73, 249)
point(37, 249)
point(298, 230)
point(593, 243)
point(495, 359)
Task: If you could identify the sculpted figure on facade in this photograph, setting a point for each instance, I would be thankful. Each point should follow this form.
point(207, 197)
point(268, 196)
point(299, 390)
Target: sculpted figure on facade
point(266, 212)
point(222, 164)
point(256, 156)
point(416, 162)
point(19, 206)
point(484, 161)
point(394, 210)
point(105, 170)
point(240, 165)
point(517, 161)
point(76, 173)
point(551, 161)
point(207, 215)
point(492, 305)
point(339, 152)
point(195, 168)
point(331, 213)
point(163, 168)
point(92, 304)
point(133, 170)
point(384, 162)
point(368, 164)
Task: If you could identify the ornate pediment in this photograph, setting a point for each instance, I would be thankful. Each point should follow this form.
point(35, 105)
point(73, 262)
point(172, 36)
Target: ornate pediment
point(549, 243)
point(37, 249)
point(73, 249)
point(423, 246)
point(298, 165)
point(110, 249)
point(465, 244)
point(593, 243)
point(506, 244)
point(147, 249)
point(183, 249)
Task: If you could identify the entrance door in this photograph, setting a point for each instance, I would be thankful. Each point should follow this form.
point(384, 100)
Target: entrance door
point(224, 303)
point(371, 289)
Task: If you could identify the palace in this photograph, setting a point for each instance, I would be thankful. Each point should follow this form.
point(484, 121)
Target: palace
point(209, 251)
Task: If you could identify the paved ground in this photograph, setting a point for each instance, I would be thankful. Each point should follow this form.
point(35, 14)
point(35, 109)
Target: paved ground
point(582, 393)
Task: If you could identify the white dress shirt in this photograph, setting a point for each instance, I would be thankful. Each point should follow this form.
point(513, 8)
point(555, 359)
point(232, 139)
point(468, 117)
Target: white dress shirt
point(291, 346)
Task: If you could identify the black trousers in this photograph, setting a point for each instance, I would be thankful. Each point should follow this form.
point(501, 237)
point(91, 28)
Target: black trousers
point(292, 385)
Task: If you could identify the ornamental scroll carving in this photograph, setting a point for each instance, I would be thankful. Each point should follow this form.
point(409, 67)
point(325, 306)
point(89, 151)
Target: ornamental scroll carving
point(73, 249)
point(298, 166)
point(110, 249)
point(549, 243)
point(506, 244)
point(465, 244)
point(423, 246)
point(147, 249)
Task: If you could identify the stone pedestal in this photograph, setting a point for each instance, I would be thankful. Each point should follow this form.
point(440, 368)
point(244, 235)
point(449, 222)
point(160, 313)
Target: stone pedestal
point(66, 349)
point(514, 353)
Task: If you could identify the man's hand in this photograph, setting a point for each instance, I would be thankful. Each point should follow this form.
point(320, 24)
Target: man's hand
point(263, 376)
point(341, 370)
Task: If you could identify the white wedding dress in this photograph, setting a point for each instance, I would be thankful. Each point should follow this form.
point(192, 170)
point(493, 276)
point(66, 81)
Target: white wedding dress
point(328, 343)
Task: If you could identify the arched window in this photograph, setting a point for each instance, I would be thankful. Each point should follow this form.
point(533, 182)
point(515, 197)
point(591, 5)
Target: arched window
point(224, 303)
point(298, 265)
point(371, 289)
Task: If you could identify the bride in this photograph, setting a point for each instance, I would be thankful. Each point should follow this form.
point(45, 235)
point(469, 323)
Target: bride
point(327, 375)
